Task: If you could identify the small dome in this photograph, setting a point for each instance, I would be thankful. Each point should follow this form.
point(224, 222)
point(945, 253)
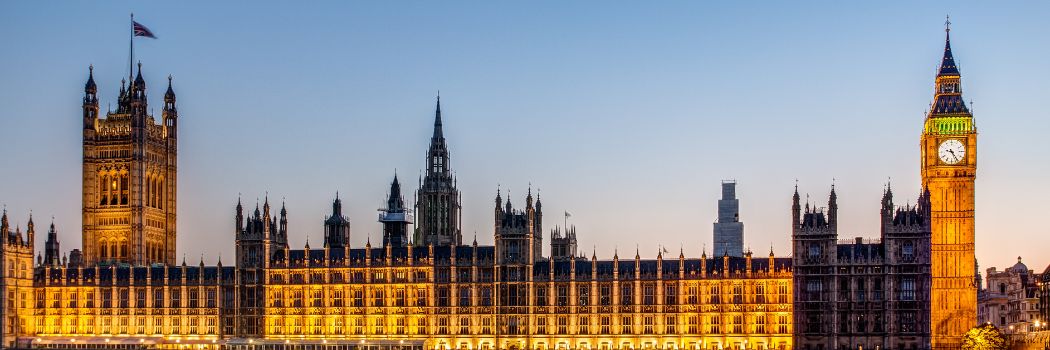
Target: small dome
point(1019, 267)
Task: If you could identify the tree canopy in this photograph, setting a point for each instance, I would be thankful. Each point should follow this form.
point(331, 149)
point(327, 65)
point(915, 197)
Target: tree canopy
point(984, 337)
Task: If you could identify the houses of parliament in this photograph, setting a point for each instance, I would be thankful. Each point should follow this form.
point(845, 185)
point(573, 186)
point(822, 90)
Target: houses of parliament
point(423, 287)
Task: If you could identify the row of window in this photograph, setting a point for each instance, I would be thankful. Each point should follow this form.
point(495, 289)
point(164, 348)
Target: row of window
point(335, 296)
point(907, 290)
point(140, 325)
point(173, 297)
point(582, 325)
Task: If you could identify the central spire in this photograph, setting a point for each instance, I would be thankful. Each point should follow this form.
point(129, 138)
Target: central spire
point(948, 67)
point(438, 133)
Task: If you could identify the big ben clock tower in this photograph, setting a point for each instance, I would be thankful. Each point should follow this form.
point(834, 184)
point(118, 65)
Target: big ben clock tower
point(949, 166)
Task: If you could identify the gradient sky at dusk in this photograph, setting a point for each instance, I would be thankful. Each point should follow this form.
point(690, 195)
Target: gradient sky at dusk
point(627, 115)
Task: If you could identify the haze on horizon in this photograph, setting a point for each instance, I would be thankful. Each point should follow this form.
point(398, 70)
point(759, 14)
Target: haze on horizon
point(626, 116)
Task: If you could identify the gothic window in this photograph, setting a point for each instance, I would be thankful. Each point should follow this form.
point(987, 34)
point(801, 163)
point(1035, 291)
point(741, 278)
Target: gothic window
point(814, 251)
point(399, 297)
point(606, 295)
point(814, 289)
point(648, 294)
point(876, 289)
point(760, 295)
point(103, 189)
point(103, 249)
point(124, 189)
point(486, 296)
point(670, 294)
point(464, 296)
point(563, 295)
point(541, 295)
point(647, 324)
point(860, 292)
point(140, 298)
point(693, 295)
point(584, 295)
point(908, 289)
point(908, 251)
point(843, 289)
point(123, 298)
point(626, 295)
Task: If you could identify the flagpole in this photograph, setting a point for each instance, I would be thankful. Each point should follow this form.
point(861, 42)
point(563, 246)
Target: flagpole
point(131, 46)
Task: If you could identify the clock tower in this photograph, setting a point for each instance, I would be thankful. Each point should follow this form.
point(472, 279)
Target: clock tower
point(949, 166)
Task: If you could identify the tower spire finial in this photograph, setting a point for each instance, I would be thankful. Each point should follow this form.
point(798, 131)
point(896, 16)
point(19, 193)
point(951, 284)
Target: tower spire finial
point(947, 23)
point(438, 132)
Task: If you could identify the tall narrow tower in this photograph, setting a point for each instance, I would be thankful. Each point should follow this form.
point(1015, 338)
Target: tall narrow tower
point(437, 200)
point(129, 171)
point(949, 166)
point(395, 217)
point(729, 231)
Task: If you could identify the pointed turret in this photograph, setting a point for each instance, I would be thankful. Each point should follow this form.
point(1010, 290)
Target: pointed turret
point(833, 207)
point(90, 87)
point(239, 218)
point(169, 96)
point(395, 201)
point(51, 246)
point(5, 226)
point(30, 231)
point(394, 217)
point(948, 67)
point(282, 232)
point(337, 226)
point(796, 211)
point(948, 99)
point(438, 199)
point(139, 84)
point(438, 132)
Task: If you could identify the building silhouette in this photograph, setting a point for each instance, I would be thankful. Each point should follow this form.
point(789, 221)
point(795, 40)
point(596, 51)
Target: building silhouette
point(729, 231)
point(949, 167)
point(125, 290)
point(438, 217)
point(858, 293)
point(130, 163)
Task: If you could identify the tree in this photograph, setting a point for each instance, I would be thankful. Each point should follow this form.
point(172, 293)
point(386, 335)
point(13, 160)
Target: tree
point(984, 337)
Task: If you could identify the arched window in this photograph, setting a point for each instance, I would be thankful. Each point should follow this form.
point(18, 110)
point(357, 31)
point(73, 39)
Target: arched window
point(103, 249)
point(124, 189)
point(103, 191)
point(160, 192)
point(1002, 288)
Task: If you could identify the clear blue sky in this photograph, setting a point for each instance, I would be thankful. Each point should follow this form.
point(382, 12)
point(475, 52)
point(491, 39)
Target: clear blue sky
point(627, 115)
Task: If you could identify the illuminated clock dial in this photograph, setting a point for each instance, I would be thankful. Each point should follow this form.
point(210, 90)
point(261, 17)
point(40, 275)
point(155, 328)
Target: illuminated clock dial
point(951, 151)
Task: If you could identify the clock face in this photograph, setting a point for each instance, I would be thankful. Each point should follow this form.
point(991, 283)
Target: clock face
point(951, 151)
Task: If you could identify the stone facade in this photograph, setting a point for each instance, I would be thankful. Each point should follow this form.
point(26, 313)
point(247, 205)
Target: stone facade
point(1011, 300)
point(129, 178)
point(949, 167)
point(861, 293)
point(438, 217)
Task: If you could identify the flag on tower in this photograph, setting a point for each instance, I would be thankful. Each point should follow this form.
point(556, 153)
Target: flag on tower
point(141, 30)
point(567, 215)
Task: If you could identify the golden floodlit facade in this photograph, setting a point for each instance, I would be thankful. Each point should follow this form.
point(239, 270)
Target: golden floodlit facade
point(949, 168)
point(434, 293)
point(422, 287)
